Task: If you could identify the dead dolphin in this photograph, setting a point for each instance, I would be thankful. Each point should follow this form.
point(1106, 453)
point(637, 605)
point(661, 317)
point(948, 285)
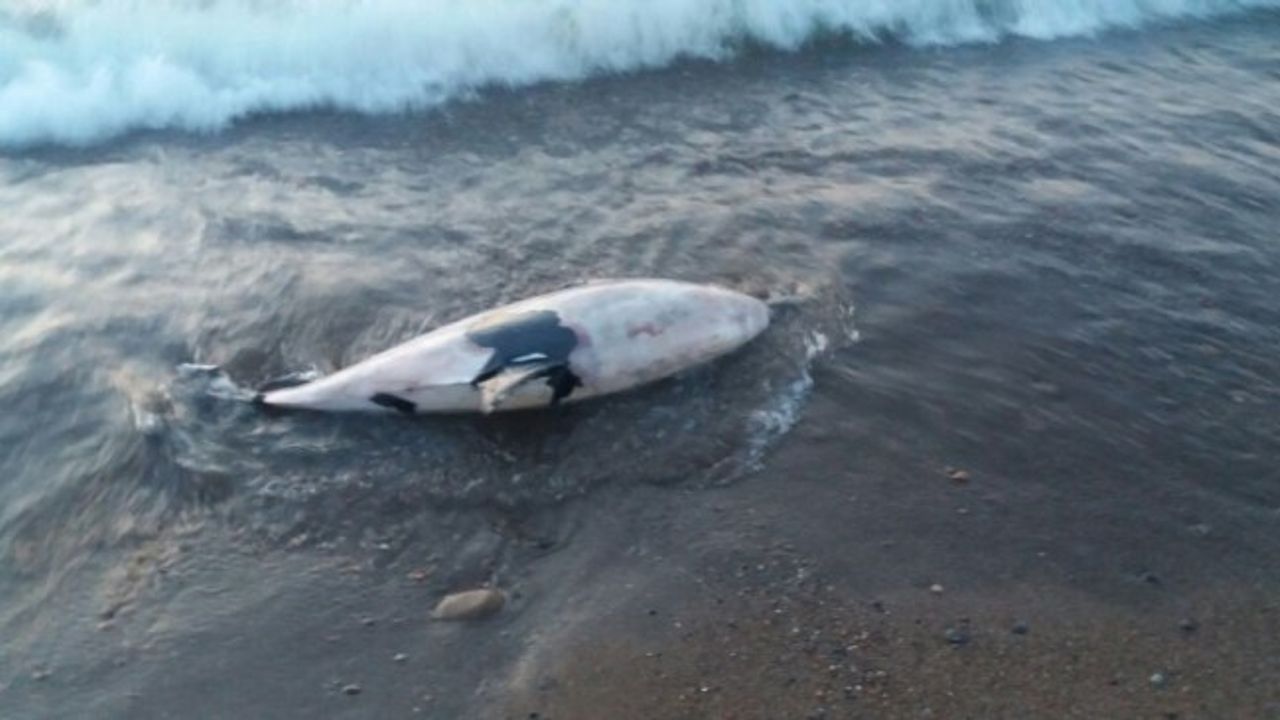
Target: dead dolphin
point(566, 346)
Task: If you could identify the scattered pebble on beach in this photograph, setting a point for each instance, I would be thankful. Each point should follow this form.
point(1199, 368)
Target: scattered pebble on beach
point(469, 605)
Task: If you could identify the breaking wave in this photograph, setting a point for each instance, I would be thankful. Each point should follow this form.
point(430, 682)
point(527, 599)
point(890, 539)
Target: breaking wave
point(79, 71)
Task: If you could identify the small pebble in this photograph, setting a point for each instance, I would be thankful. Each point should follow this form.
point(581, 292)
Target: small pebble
point(469, 605)
point(956, 636)
point(1158, 680)
point(1189, 625)
point(351, 689)
point(1021, 628)
point(40, 675)
point(400, 657)
point(958, 476)
point(936, 589)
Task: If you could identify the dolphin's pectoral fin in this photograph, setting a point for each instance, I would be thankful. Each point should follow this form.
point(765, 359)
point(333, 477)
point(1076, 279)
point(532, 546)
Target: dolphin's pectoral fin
point(388, 400)
point(526, 346)
point(495, 387)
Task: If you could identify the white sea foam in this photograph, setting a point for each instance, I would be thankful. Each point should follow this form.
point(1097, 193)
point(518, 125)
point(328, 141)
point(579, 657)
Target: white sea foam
point(78, 71)
point(775, 419)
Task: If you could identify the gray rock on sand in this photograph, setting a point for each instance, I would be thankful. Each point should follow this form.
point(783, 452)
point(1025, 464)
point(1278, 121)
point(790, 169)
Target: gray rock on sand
point(956, 636)
point(469, 605)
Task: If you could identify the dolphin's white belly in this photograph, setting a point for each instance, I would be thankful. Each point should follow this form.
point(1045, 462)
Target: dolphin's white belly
point(562, 347)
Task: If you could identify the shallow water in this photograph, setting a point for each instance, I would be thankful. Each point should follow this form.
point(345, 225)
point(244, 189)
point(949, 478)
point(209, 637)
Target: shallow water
point(1054, 264)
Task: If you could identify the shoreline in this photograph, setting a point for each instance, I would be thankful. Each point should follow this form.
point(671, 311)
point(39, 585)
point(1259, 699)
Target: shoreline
point(649, 595)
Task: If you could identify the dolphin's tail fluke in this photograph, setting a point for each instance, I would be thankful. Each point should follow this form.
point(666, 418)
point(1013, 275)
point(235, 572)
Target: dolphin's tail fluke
point(284, 382)
point(293, 379)
point(219, 384)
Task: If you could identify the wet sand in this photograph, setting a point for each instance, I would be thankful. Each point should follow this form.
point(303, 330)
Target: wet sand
point(806, 591)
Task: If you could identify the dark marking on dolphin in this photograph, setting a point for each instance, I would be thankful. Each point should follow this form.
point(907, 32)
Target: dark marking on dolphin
point(562, 382)
point(388, 400)
point(527, 338)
